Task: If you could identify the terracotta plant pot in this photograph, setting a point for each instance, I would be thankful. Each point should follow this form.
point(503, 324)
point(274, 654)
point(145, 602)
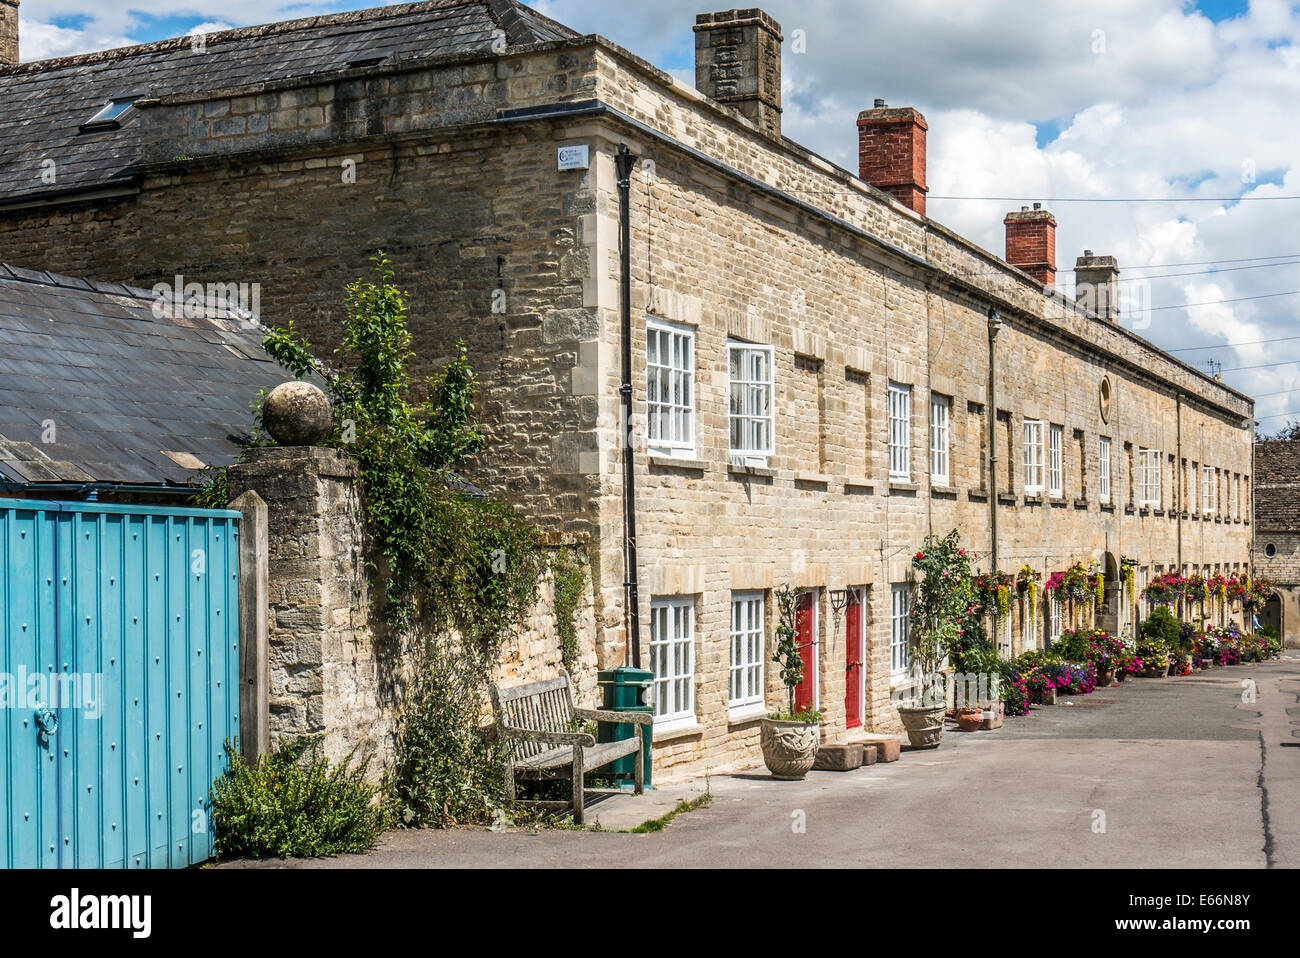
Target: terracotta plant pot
point(1105, 678)
point(789, 748)
point(924, 724)
point(1121, 675)
point(970, 720)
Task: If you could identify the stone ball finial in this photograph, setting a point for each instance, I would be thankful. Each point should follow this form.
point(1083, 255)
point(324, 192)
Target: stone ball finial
point(297, 414)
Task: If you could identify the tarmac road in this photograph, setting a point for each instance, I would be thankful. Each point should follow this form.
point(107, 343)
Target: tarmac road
point(1177, 772)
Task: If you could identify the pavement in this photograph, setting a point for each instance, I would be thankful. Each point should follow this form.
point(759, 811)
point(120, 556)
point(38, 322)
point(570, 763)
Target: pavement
point(1199, 771)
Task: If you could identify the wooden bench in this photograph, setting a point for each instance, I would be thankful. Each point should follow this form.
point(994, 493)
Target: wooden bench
point(538, 726)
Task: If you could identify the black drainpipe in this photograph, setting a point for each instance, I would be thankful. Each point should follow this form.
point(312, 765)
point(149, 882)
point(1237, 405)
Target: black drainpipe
point(625, 163)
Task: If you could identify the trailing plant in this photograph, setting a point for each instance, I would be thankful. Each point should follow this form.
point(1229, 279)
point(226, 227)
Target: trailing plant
point(1099, 590)
point(1128, 572)
point(569, 576)
point(1027, 582)
point(294, 803)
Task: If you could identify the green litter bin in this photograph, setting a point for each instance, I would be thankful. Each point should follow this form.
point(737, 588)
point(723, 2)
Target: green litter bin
point(624, 690)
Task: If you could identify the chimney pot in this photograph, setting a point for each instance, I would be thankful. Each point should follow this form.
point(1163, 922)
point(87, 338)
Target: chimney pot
point(1096, 285)
point(8, 33)
point(738, 62)
point(891, 153)
point(880, 103)
point(1031, 242)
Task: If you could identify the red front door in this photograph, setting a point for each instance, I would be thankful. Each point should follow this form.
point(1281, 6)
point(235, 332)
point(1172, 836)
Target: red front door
point(805, 693)
point(853, 663)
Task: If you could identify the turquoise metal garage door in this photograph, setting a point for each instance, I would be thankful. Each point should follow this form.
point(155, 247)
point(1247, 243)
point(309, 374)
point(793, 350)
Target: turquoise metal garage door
point(118, 681)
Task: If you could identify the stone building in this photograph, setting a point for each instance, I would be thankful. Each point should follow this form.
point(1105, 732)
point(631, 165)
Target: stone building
point(821, 374)
point(1277, 532)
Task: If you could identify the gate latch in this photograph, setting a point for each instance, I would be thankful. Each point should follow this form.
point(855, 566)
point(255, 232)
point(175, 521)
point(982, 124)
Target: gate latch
point(47, 722)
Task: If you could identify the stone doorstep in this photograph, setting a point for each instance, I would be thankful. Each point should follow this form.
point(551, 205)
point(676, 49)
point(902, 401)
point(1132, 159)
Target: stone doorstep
point(839, 757)
point(887, 747)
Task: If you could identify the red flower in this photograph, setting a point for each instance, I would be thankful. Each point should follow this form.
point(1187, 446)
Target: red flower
point(920, 555)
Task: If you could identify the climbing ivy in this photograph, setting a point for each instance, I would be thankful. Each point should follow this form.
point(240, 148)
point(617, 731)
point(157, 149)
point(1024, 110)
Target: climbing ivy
point(570, 577)
point(459, 571)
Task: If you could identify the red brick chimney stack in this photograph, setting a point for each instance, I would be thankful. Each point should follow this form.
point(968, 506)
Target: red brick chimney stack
point(8, 33)
point(1031, 242)
point(891, 153)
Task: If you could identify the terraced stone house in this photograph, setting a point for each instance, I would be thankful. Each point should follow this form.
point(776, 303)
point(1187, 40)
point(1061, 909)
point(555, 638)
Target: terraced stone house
point(821, 375)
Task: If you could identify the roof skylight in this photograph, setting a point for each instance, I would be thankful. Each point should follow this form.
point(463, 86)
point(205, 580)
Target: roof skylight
point(108, 116)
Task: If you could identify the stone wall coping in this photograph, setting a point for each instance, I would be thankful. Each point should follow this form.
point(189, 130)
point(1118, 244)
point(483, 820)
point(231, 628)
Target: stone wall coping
point(320, 460)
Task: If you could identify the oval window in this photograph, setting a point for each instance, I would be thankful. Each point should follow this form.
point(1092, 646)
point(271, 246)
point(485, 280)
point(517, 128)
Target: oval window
point(1104, 398)
point(1270, 550)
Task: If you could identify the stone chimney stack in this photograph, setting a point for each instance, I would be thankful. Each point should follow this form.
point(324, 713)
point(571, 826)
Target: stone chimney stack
point(1096, 285)
point(891, 153)
point(8, 33)
point(1031, 242)
point(738, 62)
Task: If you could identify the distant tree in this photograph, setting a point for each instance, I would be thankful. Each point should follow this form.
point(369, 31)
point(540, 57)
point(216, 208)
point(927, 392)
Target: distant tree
point(1290, 431)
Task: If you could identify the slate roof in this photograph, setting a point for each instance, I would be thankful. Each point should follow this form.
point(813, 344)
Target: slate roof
point(47, 101)
point(122, 386)
point(1277, 485)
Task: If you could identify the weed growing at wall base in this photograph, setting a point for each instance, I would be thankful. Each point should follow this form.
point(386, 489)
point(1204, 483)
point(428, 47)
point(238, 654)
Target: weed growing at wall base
point(295, 803)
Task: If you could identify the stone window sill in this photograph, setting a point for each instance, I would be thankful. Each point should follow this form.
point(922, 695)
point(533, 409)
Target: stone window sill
point(1008, 498)
point(859, 482)
point(1107, 507)
point(760, 472)
point(898, 485)
point(676, 730)
point(673, 462)
point(746, 715)
point(813, 478)
point(1129, 510)
point(977, 495)
point(1081, 503)
point(1057, 500)
point(942, 490)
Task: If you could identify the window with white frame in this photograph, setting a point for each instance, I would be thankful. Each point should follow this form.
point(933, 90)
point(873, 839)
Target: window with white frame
point(1030, 624)
point(1103, 468)
point(1033, 456)
point(750, 369)
point(900, 629)
point(670, 388)
point(1054, 617)
point(1207, 491)
point(746, 688)
point(900, 431)
point(672, 659)
point(1232, 497)
point(940, 428)
point(1004, 634)
point(1149, 478)
point(1055, 439)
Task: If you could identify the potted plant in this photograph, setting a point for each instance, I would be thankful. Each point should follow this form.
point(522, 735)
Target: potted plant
point(943, 596)
point(789, 738)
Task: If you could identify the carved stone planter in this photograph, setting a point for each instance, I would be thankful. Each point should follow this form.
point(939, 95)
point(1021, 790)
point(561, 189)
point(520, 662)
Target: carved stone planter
point(924, 725)
point(789, 748)
point(1105, 678)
